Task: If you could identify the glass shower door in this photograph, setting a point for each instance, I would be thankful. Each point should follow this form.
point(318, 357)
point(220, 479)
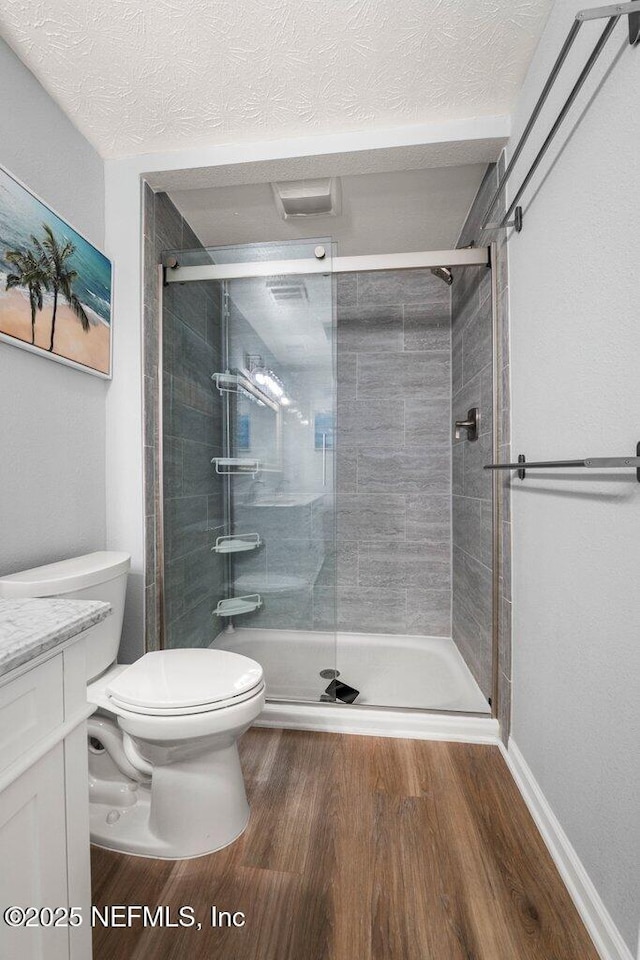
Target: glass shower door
point(276, 387)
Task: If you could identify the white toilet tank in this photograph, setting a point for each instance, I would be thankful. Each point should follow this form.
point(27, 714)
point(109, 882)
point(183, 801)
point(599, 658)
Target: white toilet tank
point(96, 576)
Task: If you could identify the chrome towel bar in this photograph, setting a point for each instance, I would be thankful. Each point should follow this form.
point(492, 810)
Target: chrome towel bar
point(612, 15)
point(593, 463)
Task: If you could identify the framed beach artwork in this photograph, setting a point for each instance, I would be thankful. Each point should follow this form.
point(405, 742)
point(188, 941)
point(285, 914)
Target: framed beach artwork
point(55, 286)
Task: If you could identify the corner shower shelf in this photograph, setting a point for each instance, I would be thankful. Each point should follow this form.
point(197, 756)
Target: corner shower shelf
point(239, 383)
point(235, 606)
point(226, 382)
point(237, 543)
point(234, 465)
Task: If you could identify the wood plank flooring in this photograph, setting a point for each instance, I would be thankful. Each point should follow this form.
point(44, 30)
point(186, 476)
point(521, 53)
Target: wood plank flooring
point(359, 848)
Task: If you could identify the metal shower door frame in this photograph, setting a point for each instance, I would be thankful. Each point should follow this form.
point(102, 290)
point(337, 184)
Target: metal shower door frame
point(465, 257)
point(471, 256)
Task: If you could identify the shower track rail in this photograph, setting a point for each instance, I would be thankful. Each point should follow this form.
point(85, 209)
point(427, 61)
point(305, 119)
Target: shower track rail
point(591, 463)
point(611, 14)
point(467, 257)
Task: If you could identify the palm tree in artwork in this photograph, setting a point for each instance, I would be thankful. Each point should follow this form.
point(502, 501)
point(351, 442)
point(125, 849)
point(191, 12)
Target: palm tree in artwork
point(61, 276)
point(31, 272)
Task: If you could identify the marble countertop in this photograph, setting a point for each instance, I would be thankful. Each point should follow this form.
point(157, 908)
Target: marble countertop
point(33, 626)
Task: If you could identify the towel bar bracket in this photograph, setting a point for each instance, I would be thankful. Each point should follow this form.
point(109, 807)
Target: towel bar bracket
point(629, 10)
point(521, 472)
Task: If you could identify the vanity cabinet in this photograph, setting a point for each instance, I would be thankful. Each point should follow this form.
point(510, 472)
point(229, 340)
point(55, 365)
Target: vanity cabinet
point(44, 804)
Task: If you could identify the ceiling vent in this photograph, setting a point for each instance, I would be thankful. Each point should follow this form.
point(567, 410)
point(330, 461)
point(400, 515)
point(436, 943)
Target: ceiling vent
point(307, 198)
point(289, 291)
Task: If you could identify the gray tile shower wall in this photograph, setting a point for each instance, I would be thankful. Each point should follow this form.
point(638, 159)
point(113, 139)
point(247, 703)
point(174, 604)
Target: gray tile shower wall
point(472, 507)
point(192, 434)
point(472, 357)
point(393, 455)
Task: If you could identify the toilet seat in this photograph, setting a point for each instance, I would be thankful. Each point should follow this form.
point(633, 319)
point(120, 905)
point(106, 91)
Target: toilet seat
point(118, 707)
point(175, 683)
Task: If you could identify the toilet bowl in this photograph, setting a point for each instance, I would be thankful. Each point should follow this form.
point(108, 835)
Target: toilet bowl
point(170, 723)
point(164, 772)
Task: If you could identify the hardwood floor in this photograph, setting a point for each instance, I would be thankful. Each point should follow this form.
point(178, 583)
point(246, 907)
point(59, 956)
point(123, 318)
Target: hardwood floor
point(359, 848)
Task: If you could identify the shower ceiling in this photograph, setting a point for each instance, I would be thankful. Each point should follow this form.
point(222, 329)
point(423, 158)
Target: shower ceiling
point(138, 76)
point(392, 212)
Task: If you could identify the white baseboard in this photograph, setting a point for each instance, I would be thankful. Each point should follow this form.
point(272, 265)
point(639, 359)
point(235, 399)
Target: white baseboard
point(380, 722)
point(595, 916)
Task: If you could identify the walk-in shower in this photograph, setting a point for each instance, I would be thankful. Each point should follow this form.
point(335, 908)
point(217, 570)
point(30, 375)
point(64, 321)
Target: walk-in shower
point(308, 469)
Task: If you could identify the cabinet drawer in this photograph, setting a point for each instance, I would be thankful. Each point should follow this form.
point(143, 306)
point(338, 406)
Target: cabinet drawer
point(31, 706)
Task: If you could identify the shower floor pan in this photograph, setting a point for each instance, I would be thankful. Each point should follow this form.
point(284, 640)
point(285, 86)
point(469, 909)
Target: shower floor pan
point(425, 673)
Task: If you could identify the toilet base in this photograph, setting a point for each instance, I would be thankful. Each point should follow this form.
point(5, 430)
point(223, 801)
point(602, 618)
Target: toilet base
point(193, 804)
point(169, 787)
point(130, 832)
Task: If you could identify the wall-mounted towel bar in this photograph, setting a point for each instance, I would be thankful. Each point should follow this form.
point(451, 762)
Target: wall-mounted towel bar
point(593, 463)
point(611, 14)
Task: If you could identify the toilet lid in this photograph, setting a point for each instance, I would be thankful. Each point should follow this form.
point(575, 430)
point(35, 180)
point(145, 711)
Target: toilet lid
point(179, 679)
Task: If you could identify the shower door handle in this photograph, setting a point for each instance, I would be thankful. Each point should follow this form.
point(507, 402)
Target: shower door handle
point(324, 459)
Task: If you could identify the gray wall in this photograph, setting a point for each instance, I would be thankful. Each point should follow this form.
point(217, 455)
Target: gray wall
point(192, 434)
point(472, 352)
point(394, 454)
point(52, 430)
point(575, 338)
point(193, 491)
point(472, 505)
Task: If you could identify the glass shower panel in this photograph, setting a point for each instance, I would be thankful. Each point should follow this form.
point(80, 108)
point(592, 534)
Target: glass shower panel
point(271, 522)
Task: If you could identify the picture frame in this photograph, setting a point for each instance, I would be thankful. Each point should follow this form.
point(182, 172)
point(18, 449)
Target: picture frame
point(56, 286)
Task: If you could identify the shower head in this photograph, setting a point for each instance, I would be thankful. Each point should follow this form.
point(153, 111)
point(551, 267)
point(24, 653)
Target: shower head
point(444, 273)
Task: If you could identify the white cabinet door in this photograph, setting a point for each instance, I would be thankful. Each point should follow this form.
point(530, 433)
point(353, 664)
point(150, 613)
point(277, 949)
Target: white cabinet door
point(31, 706)
point(33, 857)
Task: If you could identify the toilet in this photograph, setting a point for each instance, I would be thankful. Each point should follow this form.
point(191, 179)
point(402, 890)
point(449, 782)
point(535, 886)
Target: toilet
point(164, 772)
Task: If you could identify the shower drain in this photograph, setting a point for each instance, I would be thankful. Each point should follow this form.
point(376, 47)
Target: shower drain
point(329, 674)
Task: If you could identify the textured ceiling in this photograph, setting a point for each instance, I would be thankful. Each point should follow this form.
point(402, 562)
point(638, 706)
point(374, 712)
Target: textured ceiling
point(138, 76)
